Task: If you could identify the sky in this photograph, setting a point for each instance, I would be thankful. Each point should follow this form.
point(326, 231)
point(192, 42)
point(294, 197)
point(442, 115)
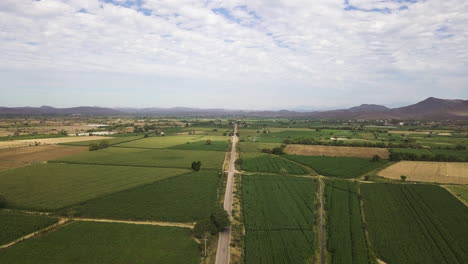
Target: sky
point(234, 54)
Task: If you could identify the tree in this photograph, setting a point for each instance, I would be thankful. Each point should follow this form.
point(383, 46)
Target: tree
point(103, 144)
point(63, 132)
point(403, 177)
point(146, 135)
point(375, 158)
point(208, 142)
point(93, 146)
point(2, 201)
point(220, 218)
point(203, 226)
point(366, 178)
point(196, 165)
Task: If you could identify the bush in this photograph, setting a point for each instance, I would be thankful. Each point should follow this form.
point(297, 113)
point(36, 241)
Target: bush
point(208, 142)
point(103, 144)
point(196, 165)
point(93, 147)
point(403, 178)
point(375, 158)
point(2, 201)
point(204, 226)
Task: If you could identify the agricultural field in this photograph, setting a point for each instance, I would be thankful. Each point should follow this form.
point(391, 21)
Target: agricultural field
point(427, 171)
point(147, 158)
point(19, 157)
point(279, 218)
point(213, 145)
point(164, 142)
point(53, 186)
point(113, 140)
point(431, 154)
point(413, 223)
point(334, 151)
point(460, 191)
point(346, 237)
point(47, 141)
point(14, 225)
point(89, 242)
point(256, 146)
point(342, 167)
point(186, 198)
point(260, 162)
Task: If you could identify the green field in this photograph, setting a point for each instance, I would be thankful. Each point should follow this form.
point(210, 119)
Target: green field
point(112, 141)
point(279, 218)
point(163, 142)
point(87, 242)
point(256, 146)
point(430, 154)
point(342, 167)
point(259, 162)
point(14, 225)
point(148, 157)
point(411, 223)
point(186, 198)
point(346, 238)
point(54, 185)
point(461, 191)
point(202, 145)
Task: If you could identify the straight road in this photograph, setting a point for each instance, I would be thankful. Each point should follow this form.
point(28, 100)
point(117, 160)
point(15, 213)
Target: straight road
point(223, 252)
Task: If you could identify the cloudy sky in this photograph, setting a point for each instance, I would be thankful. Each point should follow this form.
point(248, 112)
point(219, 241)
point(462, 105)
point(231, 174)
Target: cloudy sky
point(256, 54)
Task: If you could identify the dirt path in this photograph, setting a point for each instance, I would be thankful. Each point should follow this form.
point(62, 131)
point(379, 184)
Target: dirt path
point(223, 250)
point(321, 222)
point(155, 223)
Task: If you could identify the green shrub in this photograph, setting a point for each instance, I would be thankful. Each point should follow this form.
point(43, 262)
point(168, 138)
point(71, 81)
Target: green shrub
point(2, 201)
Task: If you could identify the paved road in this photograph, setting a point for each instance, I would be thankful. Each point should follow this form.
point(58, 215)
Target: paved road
point(222, 253)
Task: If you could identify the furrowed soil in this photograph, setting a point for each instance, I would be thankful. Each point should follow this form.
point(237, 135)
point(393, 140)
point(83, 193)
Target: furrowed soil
point(316, 150)
point(46, 141)
point(19, 157)
point(427, 171)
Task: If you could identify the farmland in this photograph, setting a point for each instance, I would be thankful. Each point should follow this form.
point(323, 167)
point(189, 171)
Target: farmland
point(164, 142)
point(259, 162)
point(52, 186)
point(342, 167)
point(256, 147)
point(87, 242)
point(279, 218)
point(334, 151)
point(346, 237)
point(426, 171)
point(218, 145)
point(460, 191)
point(46, 141)
point(415, 223)
point(147, 157)
point(14, 225)
point(186, 198)
point(111, 140)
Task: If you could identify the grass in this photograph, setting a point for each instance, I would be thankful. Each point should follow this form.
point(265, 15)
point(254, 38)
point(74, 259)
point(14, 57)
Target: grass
point(186, 198)
point(162, 142)
point(279, 218)
point(15, 225)
point(38, 136)
point(112, 141)
point(342, 167)
point(346, 238)
point(415, 223)
point(461, 191)
point(259, 162)
point(201, 145)
point(148, 157)
point(87, 242)
point(52, 186)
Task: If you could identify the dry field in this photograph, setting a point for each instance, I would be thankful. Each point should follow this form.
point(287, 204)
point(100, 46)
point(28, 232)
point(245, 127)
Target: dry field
point(18, 157)
point(419, 132)
point(46, 141)
point(315, 150)
point(427, 171)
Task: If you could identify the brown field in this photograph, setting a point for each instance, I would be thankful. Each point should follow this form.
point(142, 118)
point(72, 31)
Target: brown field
point(427, 171)
point(315, 150)
point(46, 141)
point(19, 157)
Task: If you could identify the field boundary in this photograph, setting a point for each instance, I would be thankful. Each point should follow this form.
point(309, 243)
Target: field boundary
point(311, 170)
point(123, 165)
point(154, 223)
point(454, 194)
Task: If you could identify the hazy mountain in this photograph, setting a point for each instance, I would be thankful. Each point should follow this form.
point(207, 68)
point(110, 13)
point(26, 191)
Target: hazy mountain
point(430, 108)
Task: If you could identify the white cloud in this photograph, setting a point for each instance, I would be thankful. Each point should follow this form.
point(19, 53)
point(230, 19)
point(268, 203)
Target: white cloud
point(312, 47)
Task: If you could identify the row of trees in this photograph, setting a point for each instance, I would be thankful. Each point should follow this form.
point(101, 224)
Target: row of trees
point(397, 156)
point(96, 146)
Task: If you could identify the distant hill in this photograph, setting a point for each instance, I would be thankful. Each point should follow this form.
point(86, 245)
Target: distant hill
point(428, 109)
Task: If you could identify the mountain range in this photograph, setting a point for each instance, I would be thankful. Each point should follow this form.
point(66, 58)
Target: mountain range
point(428, 109)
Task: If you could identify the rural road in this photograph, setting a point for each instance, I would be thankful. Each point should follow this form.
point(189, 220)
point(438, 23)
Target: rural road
point(223, 253)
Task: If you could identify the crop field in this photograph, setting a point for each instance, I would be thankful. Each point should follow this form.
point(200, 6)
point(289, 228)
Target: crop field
point(334, 151)
point(279, 218)
point(186, 198)
point(148, 157)
point(259, 162)
point(413, 223)
point(346, 238)
point(111, 140)
point(460, 191)
point(15, 225)
point(162, 142)
point(52, 186)
point(202, 145)
point(106, 243)
point(256, 146)
point(427, 171)
point(19, 157)
point(462, 155)
point(47, 141)
point(342, 167)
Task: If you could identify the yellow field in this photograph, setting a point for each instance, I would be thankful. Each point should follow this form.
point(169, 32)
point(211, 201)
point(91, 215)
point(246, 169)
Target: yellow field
point(315, 150)
point(427, 171)
point(46, 141)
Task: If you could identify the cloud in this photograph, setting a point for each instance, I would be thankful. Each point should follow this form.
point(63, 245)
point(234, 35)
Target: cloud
point(328, 48)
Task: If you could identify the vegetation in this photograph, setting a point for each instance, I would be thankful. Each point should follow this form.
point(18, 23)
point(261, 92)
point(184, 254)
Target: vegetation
point(162, 142)
point(185, 198)
point(397, 154)
point(279, 218)
point(346, 238)
point(202, 145)
point(415, 223)
point(3, 201)
point(216, 222)
point(460, 191)
point(88, 242)
point(52, 186)
point(112, 141)
point(342, 167)
point(256, 162)
point(196, 165)
point(15, 225)
point(97, 146)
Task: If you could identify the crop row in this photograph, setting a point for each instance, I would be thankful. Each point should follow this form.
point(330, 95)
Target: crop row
point(256, 162)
